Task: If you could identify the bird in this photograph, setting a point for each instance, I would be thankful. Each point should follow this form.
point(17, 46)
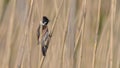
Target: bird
point(45, 34)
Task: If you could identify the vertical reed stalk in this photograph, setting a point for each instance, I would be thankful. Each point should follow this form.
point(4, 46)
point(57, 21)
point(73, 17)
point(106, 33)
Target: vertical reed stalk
point(23, 53)
point(113, 10)
point(9, 37)
point(81, 32)
point(39, 59)
point(55, 5)
point(30, 36)
point(56, 16)
point(96, 36)
point(65, 32)
point(118, 60)
point(82, 16)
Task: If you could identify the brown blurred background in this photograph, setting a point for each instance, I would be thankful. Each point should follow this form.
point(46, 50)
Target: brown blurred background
point(85, 33)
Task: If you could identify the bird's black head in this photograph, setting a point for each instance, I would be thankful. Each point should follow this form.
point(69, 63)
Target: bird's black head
point(45, 20)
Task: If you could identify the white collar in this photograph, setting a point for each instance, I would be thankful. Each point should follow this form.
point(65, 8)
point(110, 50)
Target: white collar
point(41, 23)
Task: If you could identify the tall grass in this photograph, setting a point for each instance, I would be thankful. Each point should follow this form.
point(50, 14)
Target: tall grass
point(81, 31)
point(70, 45)
point(9, 36)
point(96, 35)
point(113, 11)
point(65, 33)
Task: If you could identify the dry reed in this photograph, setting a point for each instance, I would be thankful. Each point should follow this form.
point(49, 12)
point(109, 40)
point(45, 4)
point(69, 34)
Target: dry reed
point(9, 36)
point(25, 40)
point(96, 36)
point(113, 10)
point(65, 33)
